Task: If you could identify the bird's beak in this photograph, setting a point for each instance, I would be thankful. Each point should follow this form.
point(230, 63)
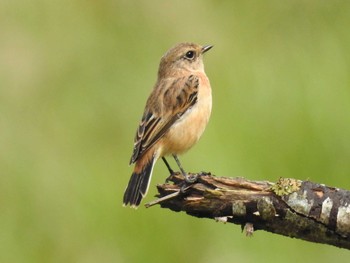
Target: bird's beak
point(206, 48)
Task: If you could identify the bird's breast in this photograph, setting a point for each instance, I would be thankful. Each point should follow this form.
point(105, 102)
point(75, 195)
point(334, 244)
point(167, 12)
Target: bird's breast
point(188, 129)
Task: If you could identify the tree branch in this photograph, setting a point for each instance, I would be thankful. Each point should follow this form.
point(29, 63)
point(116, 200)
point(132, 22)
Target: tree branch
point(299, 209)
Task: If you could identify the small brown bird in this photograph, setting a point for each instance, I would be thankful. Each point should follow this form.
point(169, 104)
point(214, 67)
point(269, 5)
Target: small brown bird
point(175, 116)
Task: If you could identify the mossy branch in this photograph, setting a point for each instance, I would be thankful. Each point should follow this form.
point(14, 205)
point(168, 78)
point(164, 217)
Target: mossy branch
point(290, 207)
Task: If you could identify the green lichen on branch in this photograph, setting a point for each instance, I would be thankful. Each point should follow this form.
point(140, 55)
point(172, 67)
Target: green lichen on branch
point(285, 186)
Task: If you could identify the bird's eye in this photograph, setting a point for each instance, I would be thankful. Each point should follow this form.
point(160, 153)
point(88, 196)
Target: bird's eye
point(190, 54)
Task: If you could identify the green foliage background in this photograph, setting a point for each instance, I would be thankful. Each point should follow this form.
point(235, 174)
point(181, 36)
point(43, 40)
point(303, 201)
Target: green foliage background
point(74, 77)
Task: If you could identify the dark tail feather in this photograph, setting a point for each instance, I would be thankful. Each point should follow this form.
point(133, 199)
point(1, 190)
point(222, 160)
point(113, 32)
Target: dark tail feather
point(138, 185)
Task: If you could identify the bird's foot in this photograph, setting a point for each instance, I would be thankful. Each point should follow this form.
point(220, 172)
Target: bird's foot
point(190, 179)
point(170, 177)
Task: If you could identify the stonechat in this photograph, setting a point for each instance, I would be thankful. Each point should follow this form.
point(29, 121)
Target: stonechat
point(176, 114)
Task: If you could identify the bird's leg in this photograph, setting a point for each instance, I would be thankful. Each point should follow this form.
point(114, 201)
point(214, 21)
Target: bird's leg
point(167, 165)
point(188, 179)
point(169, 169)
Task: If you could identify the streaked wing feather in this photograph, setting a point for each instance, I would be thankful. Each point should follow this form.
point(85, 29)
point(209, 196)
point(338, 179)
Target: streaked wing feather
point(178, 97)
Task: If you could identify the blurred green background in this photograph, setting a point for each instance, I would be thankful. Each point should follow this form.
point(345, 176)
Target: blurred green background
point(74, 78)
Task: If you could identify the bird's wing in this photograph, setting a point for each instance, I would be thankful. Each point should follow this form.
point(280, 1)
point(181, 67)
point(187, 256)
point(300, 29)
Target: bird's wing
point(167, 103)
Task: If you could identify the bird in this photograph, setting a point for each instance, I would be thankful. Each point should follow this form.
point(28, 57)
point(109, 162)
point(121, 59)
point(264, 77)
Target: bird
point(175, 116)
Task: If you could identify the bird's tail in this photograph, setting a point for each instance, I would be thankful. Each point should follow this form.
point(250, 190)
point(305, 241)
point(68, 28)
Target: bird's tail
point(139, 182)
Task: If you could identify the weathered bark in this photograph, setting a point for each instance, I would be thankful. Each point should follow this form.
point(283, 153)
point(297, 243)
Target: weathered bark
point(299, 209)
